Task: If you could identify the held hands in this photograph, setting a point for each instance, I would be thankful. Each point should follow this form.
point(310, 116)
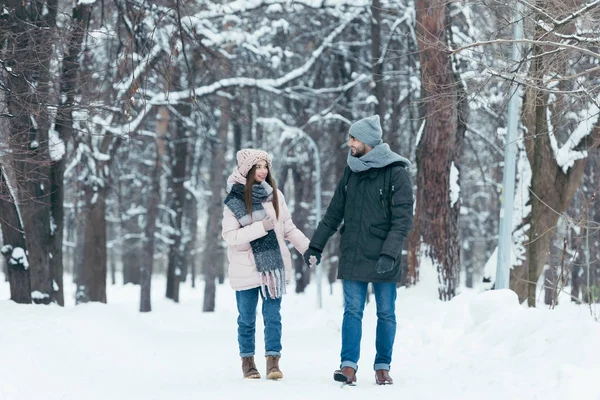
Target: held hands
point(385, 264)
point(268, 223)
point(312, 257)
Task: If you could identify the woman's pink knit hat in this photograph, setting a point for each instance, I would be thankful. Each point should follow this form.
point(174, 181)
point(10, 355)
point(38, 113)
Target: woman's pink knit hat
point(247, 158)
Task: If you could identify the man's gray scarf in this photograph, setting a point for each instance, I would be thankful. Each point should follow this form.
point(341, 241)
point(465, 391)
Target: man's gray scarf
point(379, 157)
point(267, 254)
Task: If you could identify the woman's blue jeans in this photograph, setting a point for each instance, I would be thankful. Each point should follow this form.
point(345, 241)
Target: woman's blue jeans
point(247, 301)
point(355, 295)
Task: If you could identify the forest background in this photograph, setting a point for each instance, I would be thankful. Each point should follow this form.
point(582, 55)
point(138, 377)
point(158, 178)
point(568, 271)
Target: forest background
point(119, 122)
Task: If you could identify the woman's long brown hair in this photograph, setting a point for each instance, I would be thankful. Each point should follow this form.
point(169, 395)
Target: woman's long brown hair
point(248, 190)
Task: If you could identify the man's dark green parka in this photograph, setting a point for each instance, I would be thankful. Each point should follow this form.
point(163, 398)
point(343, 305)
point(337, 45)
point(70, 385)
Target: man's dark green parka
point(376, 207)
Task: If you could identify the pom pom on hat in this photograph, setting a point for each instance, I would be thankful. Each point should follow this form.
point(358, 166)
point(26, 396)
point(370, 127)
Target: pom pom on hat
point(247, 158)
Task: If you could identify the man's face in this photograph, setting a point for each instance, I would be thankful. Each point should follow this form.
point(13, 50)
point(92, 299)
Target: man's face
point(358, 148)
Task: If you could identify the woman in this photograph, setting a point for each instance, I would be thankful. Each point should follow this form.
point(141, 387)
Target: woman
point(256, 224)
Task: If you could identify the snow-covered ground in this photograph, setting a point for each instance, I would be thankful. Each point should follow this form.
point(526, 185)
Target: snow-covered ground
point(478, 346)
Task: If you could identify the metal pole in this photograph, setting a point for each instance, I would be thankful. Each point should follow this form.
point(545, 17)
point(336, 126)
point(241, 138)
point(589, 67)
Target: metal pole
point(319, 271)
point(508, 182)
point(315, 149)
point(589, 296)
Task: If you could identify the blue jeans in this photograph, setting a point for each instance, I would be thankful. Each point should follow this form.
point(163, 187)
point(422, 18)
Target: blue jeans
point(247, 300)
point(355, 295)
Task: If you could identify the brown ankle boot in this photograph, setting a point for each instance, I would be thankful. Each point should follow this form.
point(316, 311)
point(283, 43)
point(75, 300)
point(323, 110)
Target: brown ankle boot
point(249, 368)
point(273, 371)
point(382, 377)
point(345, 375)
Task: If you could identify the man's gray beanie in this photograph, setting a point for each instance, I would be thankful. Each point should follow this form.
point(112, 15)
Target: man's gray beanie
point(367, 130)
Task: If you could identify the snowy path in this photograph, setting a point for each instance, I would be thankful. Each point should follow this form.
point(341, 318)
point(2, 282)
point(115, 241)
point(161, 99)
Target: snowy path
point(475, 347)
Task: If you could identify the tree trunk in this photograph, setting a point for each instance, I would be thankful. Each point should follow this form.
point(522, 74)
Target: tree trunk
point(191, 244)
point(132, 246)
point(57, 210)
point(152, 212)
point(550, 279)
point(64, 129)
point(303, 194)
point(179, 158)
point(551, 189)
point(433, 237)
point(213, 256)
point(91, 282)
point(28, 53)
point(377, 66)
point(13, 239)
point(150, 229)
point(193, 250)
point(131, 198)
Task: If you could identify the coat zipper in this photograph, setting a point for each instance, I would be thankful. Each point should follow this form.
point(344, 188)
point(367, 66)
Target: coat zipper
point(382, 203)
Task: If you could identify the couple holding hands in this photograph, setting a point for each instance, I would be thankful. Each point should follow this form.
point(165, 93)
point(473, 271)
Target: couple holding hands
point(374, 201)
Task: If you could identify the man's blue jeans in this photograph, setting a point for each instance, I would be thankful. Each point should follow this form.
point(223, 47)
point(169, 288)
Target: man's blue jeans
point(355, 295)
point(247, 300)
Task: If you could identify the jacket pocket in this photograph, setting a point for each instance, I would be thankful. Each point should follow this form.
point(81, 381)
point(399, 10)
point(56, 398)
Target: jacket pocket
point(378, 232)
point(373, 242)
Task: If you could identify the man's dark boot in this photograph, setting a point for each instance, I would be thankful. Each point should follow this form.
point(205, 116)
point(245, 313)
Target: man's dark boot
point(273, 371)
point(345, 375)
point(382, 377)
point(249, 368)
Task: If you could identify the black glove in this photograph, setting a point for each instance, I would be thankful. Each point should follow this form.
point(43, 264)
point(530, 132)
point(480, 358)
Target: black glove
point(384, 264)
point(311, 251)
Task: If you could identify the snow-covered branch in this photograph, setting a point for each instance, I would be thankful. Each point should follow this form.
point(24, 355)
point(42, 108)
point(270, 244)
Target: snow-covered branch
point(397, 23)
point(267, 84)
point(566, 155)
point(560, 22)
point(342, 88)
point(523, 80)
point(527, 41)
point(241, 6)
point(128, 85)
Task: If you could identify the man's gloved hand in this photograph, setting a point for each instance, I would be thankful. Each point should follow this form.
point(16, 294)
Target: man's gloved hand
point(384, 264)
point(312, 252)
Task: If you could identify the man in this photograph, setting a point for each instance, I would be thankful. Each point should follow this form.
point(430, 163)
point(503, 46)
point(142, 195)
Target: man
point(374, 199)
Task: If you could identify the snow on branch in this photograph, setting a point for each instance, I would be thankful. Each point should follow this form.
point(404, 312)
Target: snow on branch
point(267, 84)
point(239, 36)
point(406, 18)
point(12, 192)
point(527, 41)
point(241, 6)
point(289, 132)
point(338, 89)
point(568, 18)
point(524, 80)
point(128, 85)
point(566, 155)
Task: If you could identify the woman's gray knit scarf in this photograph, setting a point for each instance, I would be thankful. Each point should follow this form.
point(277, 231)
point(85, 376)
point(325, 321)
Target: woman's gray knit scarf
point(267, 253)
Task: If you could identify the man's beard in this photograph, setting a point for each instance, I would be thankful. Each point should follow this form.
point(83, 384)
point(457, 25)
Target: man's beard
point(359, 152)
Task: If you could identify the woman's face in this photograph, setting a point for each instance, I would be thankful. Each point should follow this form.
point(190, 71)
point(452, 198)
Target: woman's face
point(261, 171)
